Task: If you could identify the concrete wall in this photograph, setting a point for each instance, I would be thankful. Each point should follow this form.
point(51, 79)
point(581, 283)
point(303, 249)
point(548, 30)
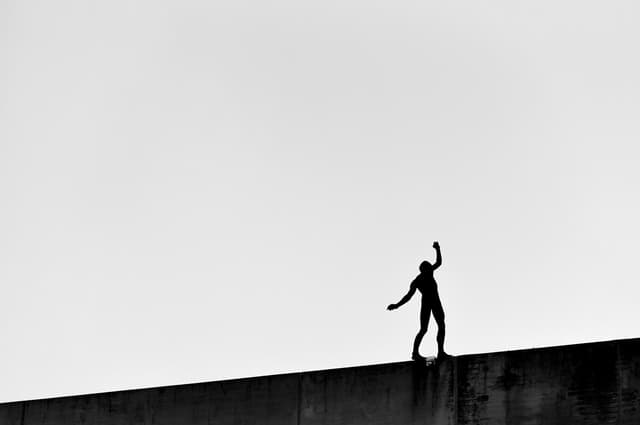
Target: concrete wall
point(586, 384)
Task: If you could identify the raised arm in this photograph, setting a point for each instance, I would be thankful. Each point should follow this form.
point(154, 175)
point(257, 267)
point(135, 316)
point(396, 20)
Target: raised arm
point(407, 297)
point(438, 262)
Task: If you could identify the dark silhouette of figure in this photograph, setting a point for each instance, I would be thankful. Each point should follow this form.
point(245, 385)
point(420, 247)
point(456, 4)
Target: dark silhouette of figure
point(428, 287)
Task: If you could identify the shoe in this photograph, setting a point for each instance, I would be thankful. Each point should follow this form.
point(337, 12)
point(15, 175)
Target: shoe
point(417, 357)
point(442, 355)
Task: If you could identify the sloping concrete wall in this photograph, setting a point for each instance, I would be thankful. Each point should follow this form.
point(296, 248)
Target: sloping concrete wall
point(579, 384)
point(587, 384)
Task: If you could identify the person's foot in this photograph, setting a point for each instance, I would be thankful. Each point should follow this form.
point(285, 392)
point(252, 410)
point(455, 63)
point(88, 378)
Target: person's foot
point(442, 355)
point(417, 357)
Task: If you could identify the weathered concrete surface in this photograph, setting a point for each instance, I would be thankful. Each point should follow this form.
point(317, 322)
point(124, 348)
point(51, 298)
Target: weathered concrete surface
point(594, 383)
point(396, 393)
point(574, 384)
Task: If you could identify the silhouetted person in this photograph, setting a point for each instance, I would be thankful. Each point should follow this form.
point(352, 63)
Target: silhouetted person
point(430, 303)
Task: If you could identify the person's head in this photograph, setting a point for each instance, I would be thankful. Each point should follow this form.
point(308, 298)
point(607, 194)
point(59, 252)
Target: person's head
point(425, 266)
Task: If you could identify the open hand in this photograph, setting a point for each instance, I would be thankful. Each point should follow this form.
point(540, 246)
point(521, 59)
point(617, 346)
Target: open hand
point(392, 307)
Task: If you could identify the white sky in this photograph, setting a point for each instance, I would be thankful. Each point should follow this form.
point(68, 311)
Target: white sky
point(197, 190)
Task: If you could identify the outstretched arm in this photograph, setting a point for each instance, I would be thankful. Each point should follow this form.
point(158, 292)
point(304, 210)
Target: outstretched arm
point(407, 297)
point(438, 262)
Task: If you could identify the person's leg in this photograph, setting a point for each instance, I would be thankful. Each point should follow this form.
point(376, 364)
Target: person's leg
point(438, 315)
point(425, 313)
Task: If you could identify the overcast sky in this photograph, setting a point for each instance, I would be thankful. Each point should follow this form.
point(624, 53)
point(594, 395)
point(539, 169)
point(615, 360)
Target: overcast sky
point(201, 190)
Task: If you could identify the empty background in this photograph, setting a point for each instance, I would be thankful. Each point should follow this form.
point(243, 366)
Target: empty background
point(200, 190)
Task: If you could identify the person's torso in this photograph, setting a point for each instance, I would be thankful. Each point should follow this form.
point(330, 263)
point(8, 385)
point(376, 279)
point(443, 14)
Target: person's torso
point(426, 283)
